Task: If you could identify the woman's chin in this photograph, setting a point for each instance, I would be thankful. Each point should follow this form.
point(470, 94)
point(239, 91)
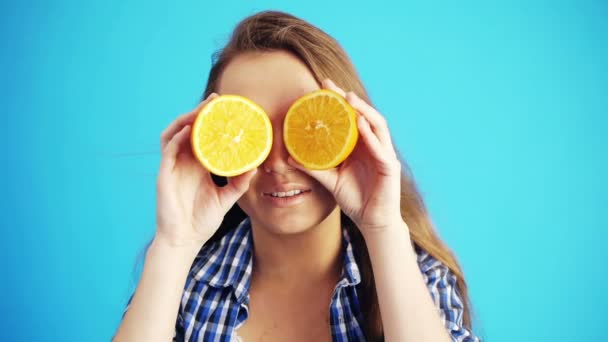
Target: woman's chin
point(296, 223)
point(286, 229)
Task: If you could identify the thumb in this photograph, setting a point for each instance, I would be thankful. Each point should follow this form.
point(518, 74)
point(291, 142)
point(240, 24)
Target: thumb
point(327, 178)
point(235, 188)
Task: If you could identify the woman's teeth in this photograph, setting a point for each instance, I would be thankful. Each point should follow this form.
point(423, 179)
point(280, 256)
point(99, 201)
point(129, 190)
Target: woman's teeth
point(286, 194)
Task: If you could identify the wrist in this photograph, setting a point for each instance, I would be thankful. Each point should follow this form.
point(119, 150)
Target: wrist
point(173, 248)
point(395, 237)
point(181, 236)
point(391, 227)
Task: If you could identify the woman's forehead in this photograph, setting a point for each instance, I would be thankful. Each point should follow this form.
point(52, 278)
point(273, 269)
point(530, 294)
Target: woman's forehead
point(274, 80)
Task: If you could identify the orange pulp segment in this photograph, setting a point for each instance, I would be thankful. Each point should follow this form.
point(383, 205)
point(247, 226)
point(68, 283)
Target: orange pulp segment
point(320, 130)
point(231, 135)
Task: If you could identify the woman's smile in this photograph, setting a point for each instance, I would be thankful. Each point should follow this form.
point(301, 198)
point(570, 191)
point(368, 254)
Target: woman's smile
point(286, 195)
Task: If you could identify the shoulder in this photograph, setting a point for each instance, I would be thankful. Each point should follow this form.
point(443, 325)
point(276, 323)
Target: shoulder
point(216, 284)
point(439, 278)
point(443, 287)
point(220, 261)
point(427, 262)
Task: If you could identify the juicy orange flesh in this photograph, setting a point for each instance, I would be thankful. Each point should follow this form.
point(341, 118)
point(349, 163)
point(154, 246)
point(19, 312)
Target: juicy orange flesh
point(233, 136)
point(318, 130)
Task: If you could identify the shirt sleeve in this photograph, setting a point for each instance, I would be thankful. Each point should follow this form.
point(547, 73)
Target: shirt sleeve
point(441, 283)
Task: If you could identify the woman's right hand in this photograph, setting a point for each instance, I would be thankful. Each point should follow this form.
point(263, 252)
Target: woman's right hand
point(189, 206)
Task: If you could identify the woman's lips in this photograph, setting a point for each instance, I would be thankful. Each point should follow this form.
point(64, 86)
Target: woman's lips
point(283, 199)
point(288, 193)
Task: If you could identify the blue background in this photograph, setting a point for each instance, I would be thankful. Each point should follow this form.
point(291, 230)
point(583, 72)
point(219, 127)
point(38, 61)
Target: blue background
point(500, 108)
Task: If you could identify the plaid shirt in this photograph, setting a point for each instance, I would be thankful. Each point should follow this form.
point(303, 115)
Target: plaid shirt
point(216, 296)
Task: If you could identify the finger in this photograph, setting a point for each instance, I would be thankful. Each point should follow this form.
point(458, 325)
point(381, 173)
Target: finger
point(375, 147)
point(169, 153)
point(235, 188)
point(181, 121)
point(329, 84)
point(375, 119)
point(327, 178)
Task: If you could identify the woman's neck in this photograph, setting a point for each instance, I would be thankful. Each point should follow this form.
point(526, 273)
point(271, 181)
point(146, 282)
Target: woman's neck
point(287, 259)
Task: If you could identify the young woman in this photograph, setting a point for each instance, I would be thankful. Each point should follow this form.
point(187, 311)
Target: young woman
point(352, 256)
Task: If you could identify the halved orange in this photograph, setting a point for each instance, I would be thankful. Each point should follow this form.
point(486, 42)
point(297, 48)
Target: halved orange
point(320, 130)
point(231, 135)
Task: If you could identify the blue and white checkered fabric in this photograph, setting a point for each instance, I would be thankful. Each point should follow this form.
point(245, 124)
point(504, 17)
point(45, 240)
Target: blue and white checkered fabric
point(216, 295)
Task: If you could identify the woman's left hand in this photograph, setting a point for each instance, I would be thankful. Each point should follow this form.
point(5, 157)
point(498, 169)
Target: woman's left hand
point(367, 185)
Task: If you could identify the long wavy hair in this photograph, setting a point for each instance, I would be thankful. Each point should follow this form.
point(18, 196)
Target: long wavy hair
point(272, 31)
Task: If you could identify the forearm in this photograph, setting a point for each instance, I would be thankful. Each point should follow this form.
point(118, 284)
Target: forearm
point(407, 309)
point(153, 310)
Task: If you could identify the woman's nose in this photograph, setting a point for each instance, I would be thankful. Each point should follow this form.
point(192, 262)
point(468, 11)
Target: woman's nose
point(276, 162)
